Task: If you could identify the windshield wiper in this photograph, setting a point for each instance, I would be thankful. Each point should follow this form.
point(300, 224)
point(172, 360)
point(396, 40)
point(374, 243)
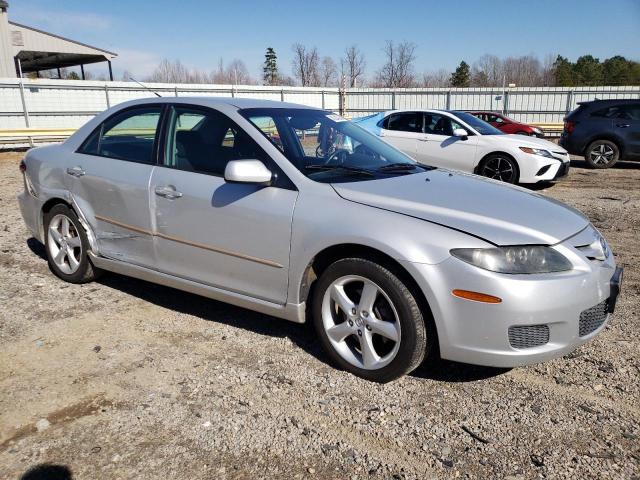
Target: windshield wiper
point(327, 168)
point(399, 167)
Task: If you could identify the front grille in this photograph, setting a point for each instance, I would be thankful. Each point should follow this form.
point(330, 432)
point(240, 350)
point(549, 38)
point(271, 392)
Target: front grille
point(563, 170)
point(528, 336)
point(592, 318)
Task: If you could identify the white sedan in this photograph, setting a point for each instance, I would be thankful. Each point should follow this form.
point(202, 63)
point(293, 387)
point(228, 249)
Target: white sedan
point(460, 141)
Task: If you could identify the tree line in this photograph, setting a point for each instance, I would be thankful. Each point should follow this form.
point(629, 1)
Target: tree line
point(398, 70)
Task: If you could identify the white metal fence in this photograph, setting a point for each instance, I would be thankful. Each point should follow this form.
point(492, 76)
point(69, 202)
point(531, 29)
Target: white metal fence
point(61, 104)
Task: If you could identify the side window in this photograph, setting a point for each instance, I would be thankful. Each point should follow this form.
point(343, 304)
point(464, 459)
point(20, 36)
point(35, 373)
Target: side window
point(630, 112)
point(437, 124)
point(608, 112)
point(405, 122)
point(203, 140)
point(495, 119)
point(128, 135)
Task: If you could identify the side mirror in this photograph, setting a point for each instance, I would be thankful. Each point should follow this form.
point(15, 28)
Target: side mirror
point(461, 132)
point(247, 171)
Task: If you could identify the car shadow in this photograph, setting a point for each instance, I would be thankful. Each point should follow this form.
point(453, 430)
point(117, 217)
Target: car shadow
point(47, 471)
point(621, 164)
point(301, 335)
point(448, 371)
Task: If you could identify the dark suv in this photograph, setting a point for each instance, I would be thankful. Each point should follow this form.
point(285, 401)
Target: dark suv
point(604, 131)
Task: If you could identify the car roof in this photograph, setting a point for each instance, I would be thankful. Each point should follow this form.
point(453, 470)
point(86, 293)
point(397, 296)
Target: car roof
point(610, 101)
point(213, 102)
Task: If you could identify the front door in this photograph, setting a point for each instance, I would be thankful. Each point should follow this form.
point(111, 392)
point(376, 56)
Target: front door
point(109, 179)
point(227, 235)
point(441, 148)
point(403, 130)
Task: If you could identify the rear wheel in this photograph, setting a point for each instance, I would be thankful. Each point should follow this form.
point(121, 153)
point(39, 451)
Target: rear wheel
point(368, 321)
point(67, 246)
point(602, 154)
point(500, 167)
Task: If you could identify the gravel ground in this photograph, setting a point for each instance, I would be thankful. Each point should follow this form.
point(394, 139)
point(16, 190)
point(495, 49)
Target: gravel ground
point(125, 379)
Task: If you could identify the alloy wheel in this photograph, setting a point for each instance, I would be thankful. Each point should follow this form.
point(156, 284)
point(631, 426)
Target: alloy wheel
point(602, 154)
point(361, 322)
point(499, 168)
point(64, 243)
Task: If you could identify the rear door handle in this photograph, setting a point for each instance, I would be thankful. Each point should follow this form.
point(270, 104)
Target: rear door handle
point(75, 171)
point(424, 139)
point(623, 125)
point(168, 192)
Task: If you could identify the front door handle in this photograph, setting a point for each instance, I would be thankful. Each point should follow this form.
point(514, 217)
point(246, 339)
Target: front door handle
point(168, 192)
point(75, 171)
point(622, 125)
point(424, 139)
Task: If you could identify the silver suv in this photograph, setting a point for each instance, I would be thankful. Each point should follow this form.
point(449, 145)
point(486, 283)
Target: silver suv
point(296, 212)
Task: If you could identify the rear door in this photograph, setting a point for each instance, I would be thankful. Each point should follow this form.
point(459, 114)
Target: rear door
point(110, 176)
point(228, 235)
point(627, 126)
point(441, 148)
point(403, 130)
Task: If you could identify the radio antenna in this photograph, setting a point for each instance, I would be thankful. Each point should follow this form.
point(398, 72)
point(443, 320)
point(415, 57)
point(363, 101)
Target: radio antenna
point(145, 87)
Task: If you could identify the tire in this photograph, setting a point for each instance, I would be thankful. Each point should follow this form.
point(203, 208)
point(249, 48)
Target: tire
point(67, 252)
point(602, 154)
point(395, 314)
point(500, 166)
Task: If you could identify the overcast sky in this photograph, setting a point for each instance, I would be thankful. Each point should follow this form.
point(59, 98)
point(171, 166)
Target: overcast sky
point(198, 33)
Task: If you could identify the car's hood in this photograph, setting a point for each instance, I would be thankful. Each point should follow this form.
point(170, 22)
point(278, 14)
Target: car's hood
point(533, 142)
point(499, 213)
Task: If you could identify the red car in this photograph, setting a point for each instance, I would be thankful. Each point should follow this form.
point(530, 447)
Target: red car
point(508, 125)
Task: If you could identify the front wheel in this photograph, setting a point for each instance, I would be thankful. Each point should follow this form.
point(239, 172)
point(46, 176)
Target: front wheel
point(500, 167)
point(368, 321)
point(602, 154)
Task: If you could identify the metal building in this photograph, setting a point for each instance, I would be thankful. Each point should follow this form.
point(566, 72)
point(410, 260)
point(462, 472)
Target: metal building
point(25, 49)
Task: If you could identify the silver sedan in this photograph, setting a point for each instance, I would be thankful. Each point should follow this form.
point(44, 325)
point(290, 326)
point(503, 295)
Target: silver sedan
point(296, 212)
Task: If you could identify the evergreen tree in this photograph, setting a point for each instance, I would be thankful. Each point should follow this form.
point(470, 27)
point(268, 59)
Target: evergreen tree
point(270, 69)
point(563, 72)
point(617, 71)
point(73, 76)
point(462, 76)
point(588, 70)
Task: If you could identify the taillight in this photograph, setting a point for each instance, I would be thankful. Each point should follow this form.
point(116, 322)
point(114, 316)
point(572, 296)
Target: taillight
point(23, 166)
point(569, 126)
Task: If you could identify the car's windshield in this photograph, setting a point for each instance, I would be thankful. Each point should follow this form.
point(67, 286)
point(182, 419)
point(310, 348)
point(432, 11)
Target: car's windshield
point(482, 127)
point(327, 148)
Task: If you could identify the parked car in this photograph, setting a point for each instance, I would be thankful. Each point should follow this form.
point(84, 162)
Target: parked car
point(508, 125)
point(275, 206)
point(603, 131)
point(458, 140)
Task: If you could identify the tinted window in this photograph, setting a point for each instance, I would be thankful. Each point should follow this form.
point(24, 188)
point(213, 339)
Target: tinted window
point(632, 112)
point(437, 124)
point(608, 112)
point(405, 122)
point(203, 140)
point(128, 135)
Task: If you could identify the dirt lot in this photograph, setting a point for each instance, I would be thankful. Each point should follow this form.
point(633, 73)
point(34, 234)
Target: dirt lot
point(125, 379)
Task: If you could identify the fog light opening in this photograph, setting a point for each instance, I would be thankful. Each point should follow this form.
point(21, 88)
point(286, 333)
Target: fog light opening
point(476, 296)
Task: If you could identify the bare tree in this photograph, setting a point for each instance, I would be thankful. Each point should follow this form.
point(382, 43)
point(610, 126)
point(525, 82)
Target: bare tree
point(328, 72)
point(305, 64)
point(398, 68)
point(353, 65)
point(440, 78)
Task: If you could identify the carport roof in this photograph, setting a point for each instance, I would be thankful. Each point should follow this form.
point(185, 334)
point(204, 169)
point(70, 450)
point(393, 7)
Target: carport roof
point(40, 50)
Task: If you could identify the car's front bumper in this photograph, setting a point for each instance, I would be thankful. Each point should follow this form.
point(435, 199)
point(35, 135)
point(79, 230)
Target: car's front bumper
point(479, 333)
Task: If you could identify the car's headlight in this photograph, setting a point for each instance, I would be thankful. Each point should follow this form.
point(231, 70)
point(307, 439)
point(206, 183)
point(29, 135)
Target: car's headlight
point(537, 151)
point(537, 130)
point(516, 259)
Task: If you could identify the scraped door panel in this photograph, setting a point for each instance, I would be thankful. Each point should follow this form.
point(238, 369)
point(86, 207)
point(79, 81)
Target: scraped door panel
point(228, 235)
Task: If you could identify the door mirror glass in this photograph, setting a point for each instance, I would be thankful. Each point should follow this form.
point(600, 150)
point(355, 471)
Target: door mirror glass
point(460, 132)
point(247, 171)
